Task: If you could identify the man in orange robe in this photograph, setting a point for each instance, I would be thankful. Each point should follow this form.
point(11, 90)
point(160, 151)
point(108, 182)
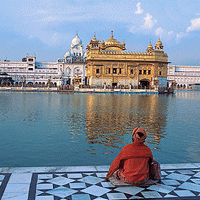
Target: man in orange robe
point(132, 163)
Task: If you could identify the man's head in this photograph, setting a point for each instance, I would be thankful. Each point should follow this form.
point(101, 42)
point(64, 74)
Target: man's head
point(139, 135)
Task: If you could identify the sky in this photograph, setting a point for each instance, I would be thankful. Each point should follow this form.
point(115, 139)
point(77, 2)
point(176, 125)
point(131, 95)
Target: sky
point(46, 27)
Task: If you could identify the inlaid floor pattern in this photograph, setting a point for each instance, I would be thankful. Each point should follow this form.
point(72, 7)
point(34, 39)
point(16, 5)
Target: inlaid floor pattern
point(91, 185)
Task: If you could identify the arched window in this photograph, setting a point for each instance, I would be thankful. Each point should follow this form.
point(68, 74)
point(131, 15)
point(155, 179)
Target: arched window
point(68, 71)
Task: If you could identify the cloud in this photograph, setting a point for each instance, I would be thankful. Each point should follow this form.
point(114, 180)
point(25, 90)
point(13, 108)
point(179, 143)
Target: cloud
point(195, 25)
point(180, 35)
point(148, 22)
point(41, 12)
point(170, 33)
point(52, 38)
point(139, 9)
point(50, 19)
point(166, 35)
point(55, 39)
point(159, 31)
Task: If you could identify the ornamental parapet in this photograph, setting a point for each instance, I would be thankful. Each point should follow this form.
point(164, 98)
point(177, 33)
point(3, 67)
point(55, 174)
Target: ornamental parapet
point(122, 53)
point(151, 57)
point(132, 53)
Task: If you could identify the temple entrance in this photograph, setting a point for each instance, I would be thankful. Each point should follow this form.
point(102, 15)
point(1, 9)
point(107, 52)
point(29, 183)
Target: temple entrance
point(76, 80)
point(144, 83)
point(68, 82)
point(114, 85)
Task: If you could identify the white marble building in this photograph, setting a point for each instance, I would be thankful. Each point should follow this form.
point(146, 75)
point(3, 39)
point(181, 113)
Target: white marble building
point(72, 65)
point(30, 72)
point(69, 70)
point(184, 76)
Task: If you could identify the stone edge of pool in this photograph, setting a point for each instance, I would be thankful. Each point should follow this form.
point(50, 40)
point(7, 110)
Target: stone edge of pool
point(86, 168)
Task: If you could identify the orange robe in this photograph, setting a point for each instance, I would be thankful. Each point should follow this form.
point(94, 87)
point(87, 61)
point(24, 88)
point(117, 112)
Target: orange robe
point(133, 160)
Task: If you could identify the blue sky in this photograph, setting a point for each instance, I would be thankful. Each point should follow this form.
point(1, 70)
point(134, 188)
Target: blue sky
point(47, 27)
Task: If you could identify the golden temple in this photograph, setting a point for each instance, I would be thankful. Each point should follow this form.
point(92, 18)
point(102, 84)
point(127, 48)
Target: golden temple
point(108, 64)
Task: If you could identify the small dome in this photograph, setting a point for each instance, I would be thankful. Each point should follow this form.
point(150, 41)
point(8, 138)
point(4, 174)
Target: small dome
point(94, 39)
point(76, 40)
point(67, 54)
point(158, 43)
point(150, 46)
point(123, 43)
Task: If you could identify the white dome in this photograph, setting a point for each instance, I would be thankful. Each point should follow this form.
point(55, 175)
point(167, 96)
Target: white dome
point(76, 40)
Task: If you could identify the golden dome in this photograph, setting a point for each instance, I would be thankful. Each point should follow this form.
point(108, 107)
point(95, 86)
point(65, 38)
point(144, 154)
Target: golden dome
point(94, 39)
point(150, 46)
point(158, 43)
point(112, 41)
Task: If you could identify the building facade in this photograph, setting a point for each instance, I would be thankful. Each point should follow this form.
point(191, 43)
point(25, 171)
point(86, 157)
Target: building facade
point(68, 70)
point(108, 64)
point(183, 76)
point(73, 64)
point(5, 79)
point(30, 72)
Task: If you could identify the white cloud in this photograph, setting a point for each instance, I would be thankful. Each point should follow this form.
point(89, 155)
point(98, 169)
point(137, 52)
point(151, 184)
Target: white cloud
point(50, 19)
point(195, 25)
point(158, 31)
point(170, 33)
point(166, 35)
point(180, 35)
point(139, 9)
point(54, 39)
point(148, 22)
point(55, 36)
point(42, 12)
point(134, 29)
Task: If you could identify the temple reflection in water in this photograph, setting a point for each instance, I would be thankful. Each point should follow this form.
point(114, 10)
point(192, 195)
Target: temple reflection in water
point(65, 129)
point(110, 119)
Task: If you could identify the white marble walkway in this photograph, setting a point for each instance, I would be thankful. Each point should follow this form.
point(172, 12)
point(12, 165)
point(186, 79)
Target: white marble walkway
point(179, 181)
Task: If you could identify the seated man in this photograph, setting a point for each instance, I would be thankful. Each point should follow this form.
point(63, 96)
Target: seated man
point(132, 163)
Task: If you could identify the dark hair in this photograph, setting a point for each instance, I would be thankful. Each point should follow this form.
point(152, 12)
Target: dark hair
point(140, 134)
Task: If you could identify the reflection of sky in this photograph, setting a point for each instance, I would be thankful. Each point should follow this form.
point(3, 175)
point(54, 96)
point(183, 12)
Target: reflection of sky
point(181, 143)
point(49, 129)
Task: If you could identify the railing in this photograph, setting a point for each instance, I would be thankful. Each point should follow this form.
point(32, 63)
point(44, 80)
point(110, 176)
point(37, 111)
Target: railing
point(28, 88)
point(81, 88)
point(100, 90)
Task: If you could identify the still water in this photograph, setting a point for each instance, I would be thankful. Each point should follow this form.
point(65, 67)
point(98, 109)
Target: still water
point(51, 129)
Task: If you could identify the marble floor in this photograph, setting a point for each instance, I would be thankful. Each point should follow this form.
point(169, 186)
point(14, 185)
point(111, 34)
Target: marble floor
point(179, 181)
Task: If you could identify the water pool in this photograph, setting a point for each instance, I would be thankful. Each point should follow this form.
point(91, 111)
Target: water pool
point(51, 129)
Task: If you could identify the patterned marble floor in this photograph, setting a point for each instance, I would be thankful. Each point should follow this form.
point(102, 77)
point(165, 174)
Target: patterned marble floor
point(179, 181)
